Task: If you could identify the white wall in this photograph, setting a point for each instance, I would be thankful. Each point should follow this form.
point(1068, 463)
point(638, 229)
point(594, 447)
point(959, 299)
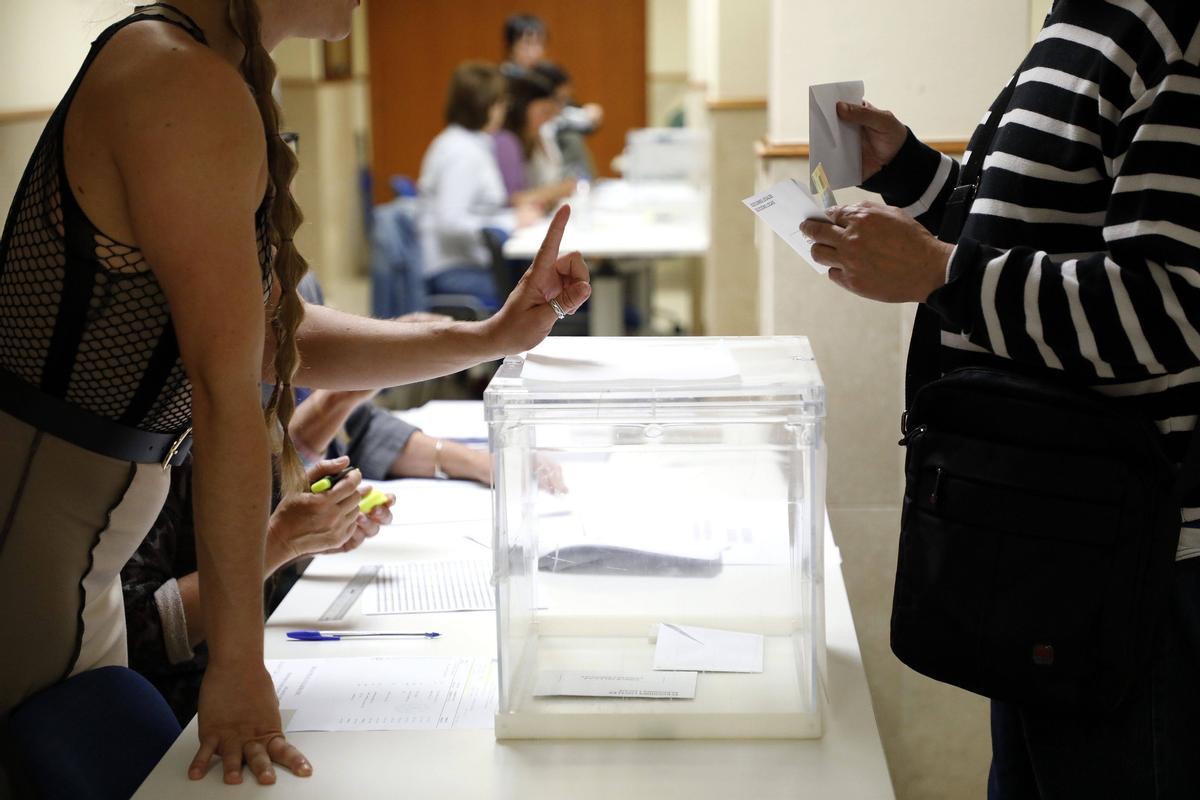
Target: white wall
point(666, 36)
point(702, 40)
point(917, 57)
point(42, 44)
point(739, 60)
point(667, 32)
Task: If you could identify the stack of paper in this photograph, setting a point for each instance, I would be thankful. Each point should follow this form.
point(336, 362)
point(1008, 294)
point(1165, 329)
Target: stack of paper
point(582, 360)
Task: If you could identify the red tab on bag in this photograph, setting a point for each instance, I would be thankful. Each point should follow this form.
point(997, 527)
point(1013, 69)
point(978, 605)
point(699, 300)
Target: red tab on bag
point(1043, 655)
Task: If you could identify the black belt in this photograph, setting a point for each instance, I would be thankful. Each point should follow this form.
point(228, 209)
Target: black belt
point(90, 431)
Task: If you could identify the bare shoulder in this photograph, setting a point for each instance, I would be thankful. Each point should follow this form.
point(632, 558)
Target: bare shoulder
point(161, 90)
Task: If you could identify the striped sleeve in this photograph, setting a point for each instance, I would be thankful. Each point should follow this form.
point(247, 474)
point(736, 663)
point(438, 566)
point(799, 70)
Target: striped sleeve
point(919, 180)
point(1126, 313)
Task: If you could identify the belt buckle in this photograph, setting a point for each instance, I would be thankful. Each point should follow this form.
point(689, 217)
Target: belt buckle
point(174, 448)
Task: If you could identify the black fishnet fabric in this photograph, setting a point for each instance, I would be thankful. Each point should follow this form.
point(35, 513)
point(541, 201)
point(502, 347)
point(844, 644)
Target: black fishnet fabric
point(115, 361)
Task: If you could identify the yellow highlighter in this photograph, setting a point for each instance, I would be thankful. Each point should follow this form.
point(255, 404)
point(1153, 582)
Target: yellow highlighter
point(374, 499)
point(327, 483)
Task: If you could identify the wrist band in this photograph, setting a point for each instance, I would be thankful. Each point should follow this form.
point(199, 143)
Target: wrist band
point(438, 472)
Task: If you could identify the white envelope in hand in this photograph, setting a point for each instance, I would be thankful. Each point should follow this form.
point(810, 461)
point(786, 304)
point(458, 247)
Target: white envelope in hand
point(835, 144)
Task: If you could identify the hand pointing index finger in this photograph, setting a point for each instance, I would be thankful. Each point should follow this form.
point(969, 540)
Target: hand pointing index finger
point(548, 253)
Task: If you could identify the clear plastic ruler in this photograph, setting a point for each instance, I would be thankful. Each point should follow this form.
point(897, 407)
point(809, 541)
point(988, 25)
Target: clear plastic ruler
point(350, 592)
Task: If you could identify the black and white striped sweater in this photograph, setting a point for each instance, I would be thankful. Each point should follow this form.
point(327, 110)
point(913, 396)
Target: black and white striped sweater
point(1082, 249)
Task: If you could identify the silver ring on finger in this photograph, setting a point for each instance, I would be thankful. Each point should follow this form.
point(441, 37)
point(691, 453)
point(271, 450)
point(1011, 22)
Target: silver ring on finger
point(558, 309)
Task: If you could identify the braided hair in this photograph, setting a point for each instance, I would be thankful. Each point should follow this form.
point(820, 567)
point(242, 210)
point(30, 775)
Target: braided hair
point(284, 218)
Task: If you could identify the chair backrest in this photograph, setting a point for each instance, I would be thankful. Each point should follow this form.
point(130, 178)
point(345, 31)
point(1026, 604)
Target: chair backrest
point(502, 272)
point(398, 267)
point(397, 264)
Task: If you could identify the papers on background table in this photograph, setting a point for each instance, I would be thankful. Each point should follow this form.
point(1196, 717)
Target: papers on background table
point(416, 587)
point(453, 420)
point(634, 685)
point(386, 694)
point(581, 360)
point(688, 647)
point(833, 144)
point(421, 501)
point(783, 207)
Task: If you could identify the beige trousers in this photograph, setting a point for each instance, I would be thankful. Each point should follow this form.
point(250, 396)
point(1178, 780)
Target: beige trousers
point(69, 521)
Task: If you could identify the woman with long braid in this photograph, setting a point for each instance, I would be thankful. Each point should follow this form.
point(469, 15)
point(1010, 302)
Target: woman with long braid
point(147, 286)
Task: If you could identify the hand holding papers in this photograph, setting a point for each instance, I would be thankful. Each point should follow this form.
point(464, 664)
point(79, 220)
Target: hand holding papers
point(783, 207)
point(835, 158)
point(834, 145)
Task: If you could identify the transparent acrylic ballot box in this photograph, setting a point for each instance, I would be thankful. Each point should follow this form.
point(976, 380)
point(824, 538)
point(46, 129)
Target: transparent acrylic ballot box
point(647, 484)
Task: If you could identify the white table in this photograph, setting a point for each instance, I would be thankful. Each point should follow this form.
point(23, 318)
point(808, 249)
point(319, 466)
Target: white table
point(619, 221)
point(848, 762)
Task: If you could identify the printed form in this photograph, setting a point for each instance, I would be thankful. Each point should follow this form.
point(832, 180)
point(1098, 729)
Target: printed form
point(417, 587)
point(386, 694)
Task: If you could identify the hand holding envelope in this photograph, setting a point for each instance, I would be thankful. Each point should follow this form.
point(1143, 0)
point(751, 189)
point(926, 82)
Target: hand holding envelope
point(835, 147)
point(833, 143)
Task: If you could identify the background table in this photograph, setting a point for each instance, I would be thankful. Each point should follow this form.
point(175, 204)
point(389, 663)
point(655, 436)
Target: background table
point(617, 223)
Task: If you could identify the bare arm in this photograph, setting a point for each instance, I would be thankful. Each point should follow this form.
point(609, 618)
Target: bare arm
point(343, 351)
point(545, 196)
point(301, 525)
point(456, 460)
point(192, 163)
point(319, 418)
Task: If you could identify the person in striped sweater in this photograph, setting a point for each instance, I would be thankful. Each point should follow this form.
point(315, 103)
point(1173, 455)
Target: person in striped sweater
point(1081, 253)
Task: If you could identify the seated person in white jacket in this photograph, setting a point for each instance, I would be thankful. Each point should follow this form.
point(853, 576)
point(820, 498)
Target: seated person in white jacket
point(461, 188)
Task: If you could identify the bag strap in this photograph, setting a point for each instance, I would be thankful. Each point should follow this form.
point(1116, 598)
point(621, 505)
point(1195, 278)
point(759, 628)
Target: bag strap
point(922, 366)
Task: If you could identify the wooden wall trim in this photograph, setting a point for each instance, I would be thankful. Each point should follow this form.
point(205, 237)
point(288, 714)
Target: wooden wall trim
point(25, 115)
point(737, 104)
point(767, 150)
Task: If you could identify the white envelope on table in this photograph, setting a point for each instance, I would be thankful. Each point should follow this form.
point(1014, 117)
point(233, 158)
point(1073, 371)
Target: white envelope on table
point(832, 143)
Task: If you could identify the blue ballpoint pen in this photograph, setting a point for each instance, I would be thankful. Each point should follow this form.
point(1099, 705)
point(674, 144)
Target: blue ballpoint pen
point(333, 636)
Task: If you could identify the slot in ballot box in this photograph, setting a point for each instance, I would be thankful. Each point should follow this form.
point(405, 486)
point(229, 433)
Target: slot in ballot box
point(659, 507)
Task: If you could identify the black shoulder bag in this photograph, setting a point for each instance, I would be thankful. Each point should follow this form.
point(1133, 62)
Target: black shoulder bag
point(1039, 527)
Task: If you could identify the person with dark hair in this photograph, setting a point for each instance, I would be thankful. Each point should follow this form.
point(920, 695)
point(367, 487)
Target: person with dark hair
point(161, 586)
point(524, 41)
point(567, 130)
point(461, 187)
point(531, 168)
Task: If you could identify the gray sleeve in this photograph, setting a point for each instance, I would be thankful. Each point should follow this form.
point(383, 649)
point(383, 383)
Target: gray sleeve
point(376, 439)
point(174, 623)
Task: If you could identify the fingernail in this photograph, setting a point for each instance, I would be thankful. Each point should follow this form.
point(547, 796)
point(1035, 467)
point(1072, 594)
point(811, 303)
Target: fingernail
point(304, 768)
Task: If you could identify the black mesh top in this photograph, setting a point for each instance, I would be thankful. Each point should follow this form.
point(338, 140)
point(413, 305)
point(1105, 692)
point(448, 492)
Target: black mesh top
point(82, 316)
